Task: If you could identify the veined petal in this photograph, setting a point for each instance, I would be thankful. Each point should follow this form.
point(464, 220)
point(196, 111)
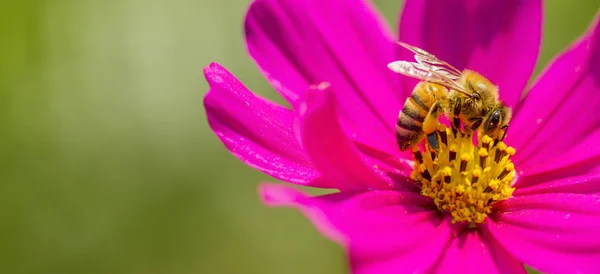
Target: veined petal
point(301, 43)
point(546, 133)
point(582, 159)
point(418, 254)
point(330, 150)
point(387, 163)
point(498, 38)
point(586, 184)
point(471, 252)
point(383, 230)
point(255, 130)
point(567, 202)
point(553, 233)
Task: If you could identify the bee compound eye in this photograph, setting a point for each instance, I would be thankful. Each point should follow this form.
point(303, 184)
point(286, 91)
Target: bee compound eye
point(494, 119)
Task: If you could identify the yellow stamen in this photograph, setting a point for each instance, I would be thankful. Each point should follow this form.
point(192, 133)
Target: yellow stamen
point(463, 179)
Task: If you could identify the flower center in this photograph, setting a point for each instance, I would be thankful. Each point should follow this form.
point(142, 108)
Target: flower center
point(463, 179)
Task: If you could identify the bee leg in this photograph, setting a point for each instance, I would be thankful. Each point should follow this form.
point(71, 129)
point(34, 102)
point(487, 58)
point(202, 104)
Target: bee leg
point(504, 130)
point(474, 125)
point(430, 126)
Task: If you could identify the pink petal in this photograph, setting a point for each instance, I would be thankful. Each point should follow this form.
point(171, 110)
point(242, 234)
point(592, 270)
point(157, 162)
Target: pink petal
point(471, 252)
point(498, 38)
point(556, 233)
point(587, 184)
point(255, 130)
point(417, 255)
point(557, 124)
point(329, 148)
point(384, 231)
point(393, 165)
point(583, 158)
point(301, 43)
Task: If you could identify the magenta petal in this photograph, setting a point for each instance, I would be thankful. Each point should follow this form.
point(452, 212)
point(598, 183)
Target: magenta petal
point(498, 38)
point(583, 158)
point(301, 43)
point(570, 87)
point(471, 252)
point(383, 230)
point(587, 184)
point(418, 254)
point(393, 165)
point(330, 150)
point(569, 202)
point(554, 233)
point(255, 130)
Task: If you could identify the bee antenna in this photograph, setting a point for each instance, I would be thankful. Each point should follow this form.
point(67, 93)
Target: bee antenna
point(504, 129)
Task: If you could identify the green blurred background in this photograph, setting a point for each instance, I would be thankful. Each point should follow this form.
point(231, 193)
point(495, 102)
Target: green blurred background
point(108, 164)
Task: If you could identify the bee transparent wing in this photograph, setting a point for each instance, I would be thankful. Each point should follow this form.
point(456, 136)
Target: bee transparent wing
point(428, 74)
point(425, 58)
point(429, 68)
point(414, 70)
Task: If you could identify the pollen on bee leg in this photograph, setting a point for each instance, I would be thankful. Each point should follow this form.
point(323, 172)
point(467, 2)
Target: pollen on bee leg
point(464, 178)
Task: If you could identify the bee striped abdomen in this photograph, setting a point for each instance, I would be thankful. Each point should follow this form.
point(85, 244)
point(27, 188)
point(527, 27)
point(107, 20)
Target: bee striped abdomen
point(410, 111)
point(410, 121)
point(409, 128)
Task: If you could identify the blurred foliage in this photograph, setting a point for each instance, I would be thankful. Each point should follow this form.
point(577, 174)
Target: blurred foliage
point(108, 164)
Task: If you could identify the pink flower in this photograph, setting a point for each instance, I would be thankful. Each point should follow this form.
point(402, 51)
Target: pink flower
point(341, 135)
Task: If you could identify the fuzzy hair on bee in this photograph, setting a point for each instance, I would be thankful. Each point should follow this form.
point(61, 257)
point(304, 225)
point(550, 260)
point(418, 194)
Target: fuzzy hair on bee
point(444, 90)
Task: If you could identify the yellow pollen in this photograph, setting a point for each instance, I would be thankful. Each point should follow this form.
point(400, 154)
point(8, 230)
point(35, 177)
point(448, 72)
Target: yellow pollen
point(462, 178)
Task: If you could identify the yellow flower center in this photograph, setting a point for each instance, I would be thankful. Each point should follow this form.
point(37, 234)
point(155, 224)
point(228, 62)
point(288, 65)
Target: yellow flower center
point(463, 179)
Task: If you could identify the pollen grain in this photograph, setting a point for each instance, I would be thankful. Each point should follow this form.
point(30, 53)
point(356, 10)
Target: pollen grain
point(462, 178)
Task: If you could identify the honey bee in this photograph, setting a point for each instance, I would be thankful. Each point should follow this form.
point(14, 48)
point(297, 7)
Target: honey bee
point(463, 96)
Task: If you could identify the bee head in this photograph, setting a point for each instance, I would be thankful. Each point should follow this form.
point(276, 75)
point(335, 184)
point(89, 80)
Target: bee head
point(497, 120)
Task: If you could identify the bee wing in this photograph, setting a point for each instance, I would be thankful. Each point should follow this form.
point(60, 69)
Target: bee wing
point(428, 74)
point(426, 58)
point(429, 68)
